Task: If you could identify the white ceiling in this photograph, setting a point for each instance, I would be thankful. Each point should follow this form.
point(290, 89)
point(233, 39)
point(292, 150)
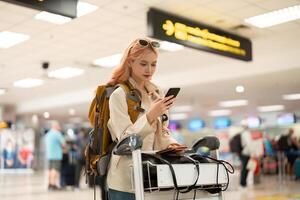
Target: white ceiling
point(205, 78)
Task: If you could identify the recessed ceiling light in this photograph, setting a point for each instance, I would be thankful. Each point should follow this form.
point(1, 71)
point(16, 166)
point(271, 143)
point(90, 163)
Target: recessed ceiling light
point(275, 17)
point(2, 91)
point(84, 8)
point(239, 89)
point(217, 113)
point(72, 112)
point(71, 134)
point(76, 120)
point(9, 39)
point(170, 46)
point(109, 61)
point(178, 116)
point(271, 108)
point(177, 109)
point(28, 83)
point(233, 103)
point(291, 96)
point(46, 115)
point(65, 73)
point(35, 119)
point(52, 18)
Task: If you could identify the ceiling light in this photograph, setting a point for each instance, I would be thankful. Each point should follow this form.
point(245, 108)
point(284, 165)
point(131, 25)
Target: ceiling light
point(270, 108)
point(84, 8)
point(109, 61)
point(28, 83)
point(52, 18)
point(71, 134)
point(9, 39)
point(170, 46)
point(46, 115)
point(291, 96)
point(217, 113)
point(233, 103)
point(76, 120)
point(181, 109)
point(65, 73)
point(72, 112)
point(239, 89)
point(2, 91)
point(178, 116)
point(35, 119)
point(275, 17)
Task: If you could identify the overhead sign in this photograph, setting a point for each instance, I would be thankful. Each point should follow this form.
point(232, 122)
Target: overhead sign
point(66, 8)
point(168, 27)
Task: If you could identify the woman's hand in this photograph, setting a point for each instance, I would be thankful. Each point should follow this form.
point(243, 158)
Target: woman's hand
point(159, 107)
point(174, 145)
point(178, 148)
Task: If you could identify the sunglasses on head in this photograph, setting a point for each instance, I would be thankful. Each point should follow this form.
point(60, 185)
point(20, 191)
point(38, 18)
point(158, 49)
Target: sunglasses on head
point(145, 43)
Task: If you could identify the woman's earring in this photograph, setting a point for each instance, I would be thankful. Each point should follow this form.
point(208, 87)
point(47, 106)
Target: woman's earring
point(130, 70)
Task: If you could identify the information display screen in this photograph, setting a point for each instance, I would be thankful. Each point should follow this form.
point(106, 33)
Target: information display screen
point(253, 122)
point(286, 119)
point(222, 122)
point(66, 8)
point(195, 125)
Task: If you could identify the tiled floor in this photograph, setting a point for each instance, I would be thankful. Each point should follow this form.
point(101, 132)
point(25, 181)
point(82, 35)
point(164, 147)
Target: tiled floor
point(33, 187)
point(269, 188)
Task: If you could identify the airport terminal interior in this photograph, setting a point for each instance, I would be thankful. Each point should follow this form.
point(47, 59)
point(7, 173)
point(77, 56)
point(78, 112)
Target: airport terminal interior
point(236, 63)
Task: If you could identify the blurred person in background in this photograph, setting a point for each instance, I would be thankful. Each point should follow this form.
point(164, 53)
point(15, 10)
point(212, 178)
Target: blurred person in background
point(289, 145)
point(55, 143)
point(9, 154)
point(25, 156)
point(176, 133)
point(80, 143)
point(248, 152)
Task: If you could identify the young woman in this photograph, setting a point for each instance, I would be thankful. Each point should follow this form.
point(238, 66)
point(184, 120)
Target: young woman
point(138, 65)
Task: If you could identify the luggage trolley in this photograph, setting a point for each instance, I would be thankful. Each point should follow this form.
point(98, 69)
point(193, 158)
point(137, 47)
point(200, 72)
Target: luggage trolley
point(211, 175)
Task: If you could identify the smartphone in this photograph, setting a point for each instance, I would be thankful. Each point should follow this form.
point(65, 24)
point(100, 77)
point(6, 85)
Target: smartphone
point(173, 91)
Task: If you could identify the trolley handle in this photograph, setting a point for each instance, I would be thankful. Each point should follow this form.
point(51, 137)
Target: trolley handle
point(211, 142)
point(128, 145)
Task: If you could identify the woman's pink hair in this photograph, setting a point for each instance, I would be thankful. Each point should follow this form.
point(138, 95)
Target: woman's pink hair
point(122, 71)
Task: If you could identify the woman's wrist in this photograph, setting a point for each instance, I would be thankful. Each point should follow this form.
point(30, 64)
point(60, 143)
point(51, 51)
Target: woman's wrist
point(150, 118)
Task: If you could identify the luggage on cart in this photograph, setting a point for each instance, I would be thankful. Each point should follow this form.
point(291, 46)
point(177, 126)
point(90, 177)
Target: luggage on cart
point(185, 174)
point(297, 169)
point(156, 177)
point(269, 165)
point(68, 167)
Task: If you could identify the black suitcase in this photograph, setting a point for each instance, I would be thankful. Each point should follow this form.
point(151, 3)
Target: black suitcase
point(68, 168)
point(297, 169)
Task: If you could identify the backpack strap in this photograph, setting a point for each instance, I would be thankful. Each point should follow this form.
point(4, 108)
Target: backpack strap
point(135, 95)
point(95, 107)
point(133, 99)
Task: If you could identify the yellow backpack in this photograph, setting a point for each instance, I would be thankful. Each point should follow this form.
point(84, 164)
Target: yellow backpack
point(100, 145)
